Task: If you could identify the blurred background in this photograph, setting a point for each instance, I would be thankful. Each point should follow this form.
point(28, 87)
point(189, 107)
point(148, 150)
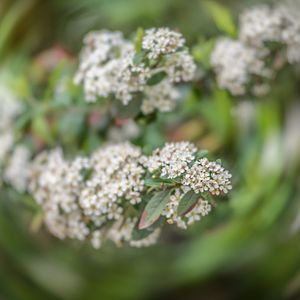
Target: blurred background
point(249, 247)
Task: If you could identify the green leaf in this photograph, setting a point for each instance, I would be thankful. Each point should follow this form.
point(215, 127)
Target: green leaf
point(92, 141)
point(153, 62)
point(221, 17)
point(139, 57)
point(200, 154)
point(154, 209)
point(187, 202)
point(54, 78)
point(139, 234)
point(23, 120)
point(71, 126)
point(37, 221)
point(86, 173)
point(139, 39)
point(156, 78)
point(41, 128)
point(202, 51)
point(131, 110)
point(157, 182)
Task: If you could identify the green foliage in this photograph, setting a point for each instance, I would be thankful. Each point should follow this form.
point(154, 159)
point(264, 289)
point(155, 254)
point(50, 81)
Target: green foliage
point(130, 110)
point(138, 39)
point(187, 202)
point(158, 182)
point(139, 57)
point(71, 126)
point(139, 234)
point(202, 50)
point(156, 78)
point(221, 16)
point(41, 128)
point(154, 208)
point(200, 154)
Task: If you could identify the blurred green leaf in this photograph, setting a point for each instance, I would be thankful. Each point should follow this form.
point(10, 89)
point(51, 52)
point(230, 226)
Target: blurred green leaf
point(40, 126)
point(139, 39)
point(139, 234)
point(71, 126)
point(200, 154)
point(10, 21)
point(130, 110)
point(202, 51)
point(139, 57)
point(158, 182)
point(156, 78)
point(187, 202)
point(37, 221)
point(221, 16)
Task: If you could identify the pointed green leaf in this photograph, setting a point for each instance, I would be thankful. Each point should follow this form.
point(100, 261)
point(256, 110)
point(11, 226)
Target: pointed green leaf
point(221, 16)
point(131, 110)
point(187, 202)
point(156, 78)
point(157, 182)
point(200, 154)
point(139, 234)
point(139, 57)
point(139, 39)
point(41, 128)
point(202, 51)
point(154, 208)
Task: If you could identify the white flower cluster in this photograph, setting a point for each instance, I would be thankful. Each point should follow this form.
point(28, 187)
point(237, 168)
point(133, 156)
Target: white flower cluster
point(242, 64)
point(97, 198)
point(55, 184)
point(110, 66)
point(235, 63)
point(280, 23)
point(117, 175)
point(160, 41)
point(200, 209)
point(17, 168)
point(206, 176)
point(179, 160)
point(80, 197)
point(162, 96)
point(172, 160)
point(9, 108)
point(290, 36)
point(13, 162)
point(260, 24)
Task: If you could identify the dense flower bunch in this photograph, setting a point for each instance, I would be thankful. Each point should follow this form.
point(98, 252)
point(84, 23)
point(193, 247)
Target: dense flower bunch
point(113, 66)
point(179, 161)
point(102, 197)
point(243, 65)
